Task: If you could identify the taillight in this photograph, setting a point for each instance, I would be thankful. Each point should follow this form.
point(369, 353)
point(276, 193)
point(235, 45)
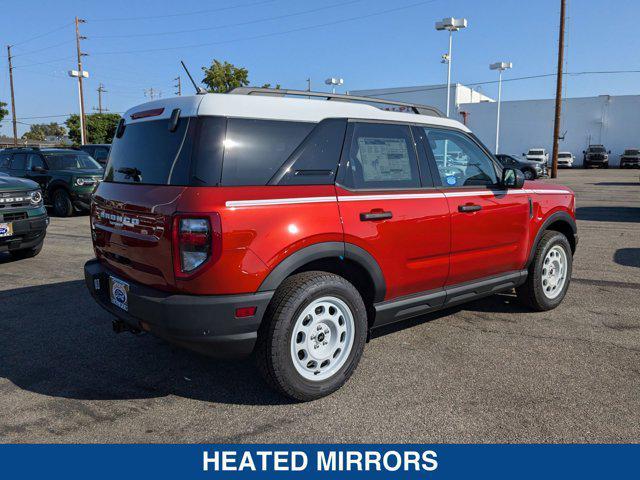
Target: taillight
point(197, 243)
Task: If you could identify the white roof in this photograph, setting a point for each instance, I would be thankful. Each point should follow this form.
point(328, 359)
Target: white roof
point(279, 108)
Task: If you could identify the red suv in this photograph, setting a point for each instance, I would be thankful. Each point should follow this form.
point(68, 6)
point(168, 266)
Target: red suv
point(291, 227)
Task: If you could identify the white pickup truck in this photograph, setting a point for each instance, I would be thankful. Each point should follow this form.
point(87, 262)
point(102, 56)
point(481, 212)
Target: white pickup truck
point(537, 155)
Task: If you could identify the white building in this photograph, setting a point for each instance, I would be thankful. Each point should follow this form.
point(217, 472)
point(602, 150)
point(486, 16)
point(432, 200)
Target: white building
point(613, 121)
point(433, 95)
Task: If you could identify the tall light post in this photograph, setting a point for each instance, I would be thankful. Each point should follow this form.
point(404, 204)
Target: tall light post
point(501, 67)
point(80, 74)
point(333, 82)
point(451, 25)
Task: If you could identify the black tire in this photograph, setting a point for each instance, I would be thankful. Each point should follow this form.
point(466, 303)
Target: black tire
point(62, 205)
point(531, 293)
point(27, 252)
point(529, 174)
point(273, 349)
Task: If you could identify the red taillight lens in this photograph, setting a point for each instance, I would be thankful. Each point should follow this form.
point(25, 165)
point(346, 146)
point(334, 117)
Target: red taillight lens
point(243, 312)
point(197, 241)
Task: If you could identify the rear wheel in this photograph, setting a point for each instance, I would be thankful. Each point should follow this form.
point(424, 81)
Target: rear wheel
point(528, 174)
point(62, 205)
point(549, 273)
point(313, 335)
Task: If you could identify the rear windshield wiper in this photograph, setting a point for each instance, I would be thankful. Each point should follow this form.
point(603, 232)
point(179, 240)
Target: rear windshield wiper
point(130, 172)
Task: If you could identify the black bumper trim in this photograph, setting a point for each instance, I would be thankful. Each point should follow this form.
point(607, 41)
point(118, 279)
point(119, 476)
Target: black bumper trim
point(27, 233)
point(205, 324)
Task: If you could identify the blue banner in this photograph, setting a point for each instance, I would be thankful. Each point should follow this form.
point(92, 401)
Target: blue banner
point(319, 461)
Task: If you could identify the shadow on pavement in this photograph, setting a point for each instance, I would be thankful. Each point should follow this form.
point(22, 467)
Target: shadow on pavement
point(55, 340)
point(629, 257)
point(609, 214)
point(617, 184)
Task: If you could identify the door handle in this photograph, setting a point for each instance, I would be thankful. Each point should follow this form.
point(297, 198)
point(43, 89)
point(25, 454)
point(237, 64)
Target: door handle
point(372, 216)
point(469, 208)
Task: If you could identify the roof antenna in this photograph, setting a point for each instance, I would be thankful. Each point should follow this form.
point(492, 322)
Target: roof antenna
point(199, 89)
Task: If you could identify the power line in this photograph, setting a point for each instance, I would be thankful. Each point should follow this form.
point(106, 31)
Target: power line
point(21, 54)
point(43, 34)
point(184, 14)
point(272, 34)
point(230, 25)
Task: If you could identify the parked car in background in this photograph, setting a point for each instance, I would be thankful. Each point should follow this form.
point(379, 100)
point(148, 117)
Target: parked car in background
point(291, 228)
point(565, 159)
point(99, 151)
point(630, 158)
point(67, 177)
point(23, 217)
point(596, 156)
point(537, 155)
point(531, 169)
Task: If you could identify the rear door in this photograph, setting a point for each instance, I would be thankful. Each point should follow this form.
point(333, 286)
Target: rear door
point(42, 177)
point(489, 225)
point(18, 165)
point(390, 208)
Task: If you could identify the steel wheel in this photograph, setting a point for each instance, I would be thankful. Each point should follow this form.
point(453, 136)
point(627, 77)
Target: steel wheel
point(322, 338)
point(554, 272)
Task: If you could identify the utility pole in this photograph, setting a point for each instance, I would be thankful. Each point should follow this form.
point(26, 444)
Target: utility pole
point(178, 85)
point(13, 100)
point(556, 126)
point(83, 118)
point(100, 91)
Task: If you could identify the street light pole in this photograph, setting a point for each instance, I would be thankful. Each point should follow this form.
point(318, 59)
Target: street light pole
point(452, 25)
point(501, 67)
point(333, 82)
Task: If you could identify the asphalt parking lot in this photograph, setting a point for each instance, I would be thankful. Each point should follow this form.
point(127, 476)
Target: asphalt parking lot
point(489, 371)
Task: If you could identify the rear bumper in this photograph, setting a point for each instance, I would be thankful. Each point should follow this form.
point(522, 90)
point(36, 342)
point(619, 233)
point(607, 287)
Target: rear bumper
point(206, 324)
point(27, 233)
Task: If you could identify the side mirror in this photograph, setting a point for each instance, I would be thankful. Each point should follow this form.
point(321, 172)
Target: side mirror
point(512, 178)
point(584, 152)
point(609, 152)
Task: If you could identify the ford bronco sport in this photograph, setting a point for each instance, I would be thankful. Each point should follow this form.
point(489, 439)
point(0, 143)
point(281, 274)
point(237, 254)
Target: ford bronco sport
point(66, 176)
point(23, 218)
point(290, 228)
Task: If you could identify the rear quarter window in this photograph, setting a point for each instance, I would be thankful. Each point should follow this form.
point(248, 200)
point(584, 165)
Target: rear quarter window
point(254, 150)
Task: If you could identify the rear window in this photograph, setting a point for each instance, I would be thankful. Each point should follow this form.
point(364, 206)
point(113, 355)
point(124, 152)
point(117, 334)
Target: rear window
point(148, 153)
point(71, 161)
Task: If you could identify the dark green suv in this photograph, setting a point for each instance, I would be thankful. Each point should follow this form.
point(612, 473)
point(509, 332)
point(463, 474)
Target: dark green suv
point(67, 177)
point(23, 218)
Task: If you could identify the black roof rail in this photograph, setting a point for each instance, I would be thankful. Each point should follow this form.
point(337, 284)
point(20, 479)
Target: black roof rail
point(277, 92)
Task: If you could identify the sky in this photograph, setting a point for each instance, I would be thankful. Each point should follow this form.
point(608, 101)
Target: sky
point(136, 45)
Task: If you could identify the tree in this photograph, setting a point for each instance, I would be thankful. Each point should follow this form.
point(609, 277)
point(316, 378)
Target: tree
point(39, 131)
point(224, 77)
point(101, 127)
point(3, 111)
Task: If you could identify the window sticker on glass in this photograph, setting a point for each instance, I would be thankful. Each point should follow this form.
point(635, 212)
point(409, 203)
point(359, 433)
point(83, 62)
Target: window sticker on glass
point(384, 159)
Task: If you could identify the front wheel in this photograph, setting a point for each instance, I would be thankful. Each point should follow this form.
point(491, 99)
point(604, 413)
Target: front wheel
point(528, 174)
point(313, 335)
point(549, 273)
point(62, 205)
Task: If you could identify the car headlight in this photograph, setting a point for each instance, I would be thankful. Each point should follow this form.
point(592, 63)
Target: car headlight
point(81, 181)
point(36, 197)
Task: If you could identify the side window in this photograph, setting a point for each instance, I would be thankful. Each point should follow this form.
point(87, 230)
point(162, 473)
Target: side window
point(100, 154)
point(254, 150)
point(380, 156)
point(461, 162)
point(19, 161)
point(315, 161)
point(5, 160)
point(34, 160)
